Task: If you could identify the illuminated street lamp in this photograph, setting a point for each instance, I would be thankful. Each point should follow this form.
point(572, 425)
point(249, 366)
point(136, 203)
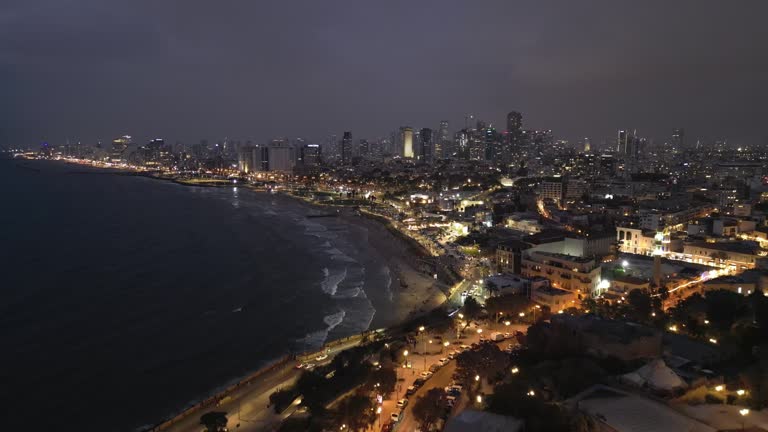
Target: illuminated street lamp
point(744, 412)
point(479, 399)
point(477, 377)
point(506, 323)
point(515, 370)
point(740, 392)
point(719, 388)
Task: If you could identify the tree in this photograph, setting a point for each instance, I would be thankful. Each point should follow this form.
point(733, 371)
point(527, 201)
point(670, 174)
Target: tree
point(214, 421)
point(510, 305)
point(356, 412)
point(472, 308)
point(428, 408)
point(640, 301)
point(724, 308)
point(385, 378)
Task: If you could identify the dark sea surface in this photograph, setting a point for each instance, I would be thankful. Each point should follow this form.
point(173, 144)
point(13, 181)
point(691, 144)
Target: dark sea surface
point(123, 298)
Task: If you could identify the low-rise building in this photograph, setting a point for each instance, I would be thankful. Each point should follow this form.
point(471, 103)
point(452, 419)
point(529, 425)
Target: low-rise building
point(578, 274)
point(554, 298)
point(741, 255)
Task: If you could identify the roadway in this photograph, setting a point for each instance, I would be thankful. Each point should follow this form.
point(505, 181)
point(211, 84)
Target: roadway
point(247, 408)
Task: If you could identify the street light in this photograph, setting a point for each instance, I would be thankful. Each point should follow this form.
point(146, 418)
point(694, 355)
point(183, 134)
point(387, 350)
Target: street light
point(506, 323)
point(477, 377)
point(740, 392)
point(515, 370)
point(719, 388)
point(479, 399)
point(743, 412)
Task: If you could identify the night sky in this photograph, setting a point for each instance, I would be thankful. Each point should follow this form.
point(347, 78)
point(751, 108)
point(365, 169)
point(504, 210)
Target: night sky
point(191, 69)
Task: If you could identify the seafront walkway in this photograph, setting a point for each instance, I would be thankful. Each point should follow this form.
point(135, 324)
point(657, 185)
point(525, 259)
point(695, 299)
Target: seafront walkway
point(247, 406)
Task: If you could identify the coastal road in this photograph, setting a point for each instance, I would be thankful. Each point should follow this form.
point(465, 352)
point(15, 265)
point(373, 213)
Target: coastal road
point(247, 408)
point(441, 379)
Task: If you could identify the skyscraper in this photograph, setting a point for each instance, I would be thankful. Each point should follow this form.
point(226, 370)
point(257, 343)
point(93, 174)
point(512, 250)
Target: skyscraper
point(346, 148)
point(514, 122)
point(425, 146)
point(678, 138)
point(622, 142)
point(363, 148)
point(443, 141)
point(406, 137)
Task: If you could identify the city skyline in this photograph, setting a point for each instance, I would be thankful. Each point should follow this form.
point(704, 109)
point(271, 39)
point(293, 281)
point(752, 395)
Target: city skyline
point(88, 71)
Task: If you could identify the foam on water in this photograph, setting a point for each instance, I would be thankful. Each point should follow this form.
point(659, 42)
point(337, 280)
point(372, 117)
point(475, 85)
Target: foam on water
point(331, 281)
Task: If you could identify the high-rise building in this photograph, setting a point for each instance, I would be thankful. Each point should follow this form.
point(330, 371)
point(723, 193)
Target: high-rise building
point(406, 137)
point(346, 148)
point(443, 141)
point(119, 146)
point(364, 148)
point(514, 122)
point(311, 155)
point(461, 150)
point(425, 145)
point(622, 142)
point(678, 138)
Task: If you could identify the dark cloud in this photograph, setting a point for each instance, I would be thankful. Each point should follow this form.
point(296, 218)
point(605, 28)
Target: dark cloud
point(199, 69)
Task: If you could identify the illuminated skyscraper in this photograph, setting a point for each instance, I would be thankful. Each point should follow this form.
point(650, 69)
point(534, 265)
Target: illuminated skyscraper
point(119, 145)
point(346, 148)
point(678, 138)
point(406, 134)
point(443, 141)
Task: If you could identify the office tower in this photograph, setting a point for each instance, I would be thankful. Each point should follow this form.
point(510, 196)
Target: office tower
point(406, 138)
point(311, 154)
point(587, 145)
point(462, 145)
point(476, 145)
point(513, 143)
point(443, 141)
point(346, 148)
point(514, 122)
point(281, 157)
point(425, 145)
point(364, 148)
point(119, 145)
point(678, 138)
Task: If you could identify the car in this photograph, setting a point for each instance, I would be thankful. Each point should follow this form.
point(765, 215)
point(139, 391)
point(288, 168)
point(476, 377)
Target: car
point(507, 335)
point(457, 387)
point(418, 382)
point(300, 365)
point(464, 347)
point(410, 391)
point(395, 416)
point(321, 357)
point(443, 361)
point(402, 403)
point(309, 366)
point(434, 368)
point(302, 409)
point(425, 375)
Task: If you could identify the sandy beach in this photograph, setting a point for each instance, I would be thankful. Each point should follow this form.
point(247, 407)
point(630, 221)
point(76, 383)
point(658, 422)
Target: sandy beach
point(415, 293)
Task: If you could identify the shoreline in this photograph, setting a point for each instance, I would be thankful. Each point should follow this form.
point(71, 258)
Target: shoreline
point(413, 293)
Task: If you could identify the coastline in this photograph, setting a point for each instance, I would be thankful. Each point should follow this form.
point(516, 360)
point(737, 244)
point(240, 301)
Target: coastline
point(412, 292)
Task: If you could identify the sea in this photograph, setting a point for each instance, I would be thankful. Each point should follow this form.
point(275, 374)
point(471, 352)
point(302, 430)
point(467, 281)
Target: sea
point(124, 299)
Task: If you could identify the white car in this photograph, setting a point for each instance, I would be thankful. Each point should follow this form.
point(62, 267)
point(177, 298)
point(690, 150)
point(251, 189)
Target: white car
point(443, 361)
point(402, 403)
point(321, 357)
point(426, 374)
point(395, 416)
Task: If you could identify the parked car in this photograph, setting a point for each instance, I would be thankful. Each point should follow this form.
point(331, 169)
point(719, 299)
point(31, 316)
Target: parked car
point(321, 357)
point(426, 374)
point(410, 391)
point(443, 361)
point(402, 403)
point(434, 368)
point(395, 416)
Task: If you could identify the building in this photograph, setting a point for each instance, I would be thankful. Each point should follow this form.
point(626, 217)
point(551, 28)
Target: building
point(443, 142)
point(425, 145)
point(346, 148)
point(551, 188)
point(611, 338)
point(406, 138)
point(741, 255)
point(311, 155)
point(555, 299)
point(678, 138)
point(119, 146)
point(281, 158)
point(509, 256)
point(578, 274)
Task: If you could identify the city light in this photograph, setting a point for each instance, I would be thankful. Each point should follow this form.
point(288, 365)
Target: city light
point(515, 370)
point(740, 392)
point(719, 388)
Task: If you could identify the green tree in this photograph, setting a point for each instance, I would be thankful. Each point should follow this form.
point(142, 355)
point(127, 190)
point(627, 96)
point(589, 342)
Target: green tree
point(214, 421)
point(356, 412)
point(382, 381)
point(428, 408)
point(472, 309)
